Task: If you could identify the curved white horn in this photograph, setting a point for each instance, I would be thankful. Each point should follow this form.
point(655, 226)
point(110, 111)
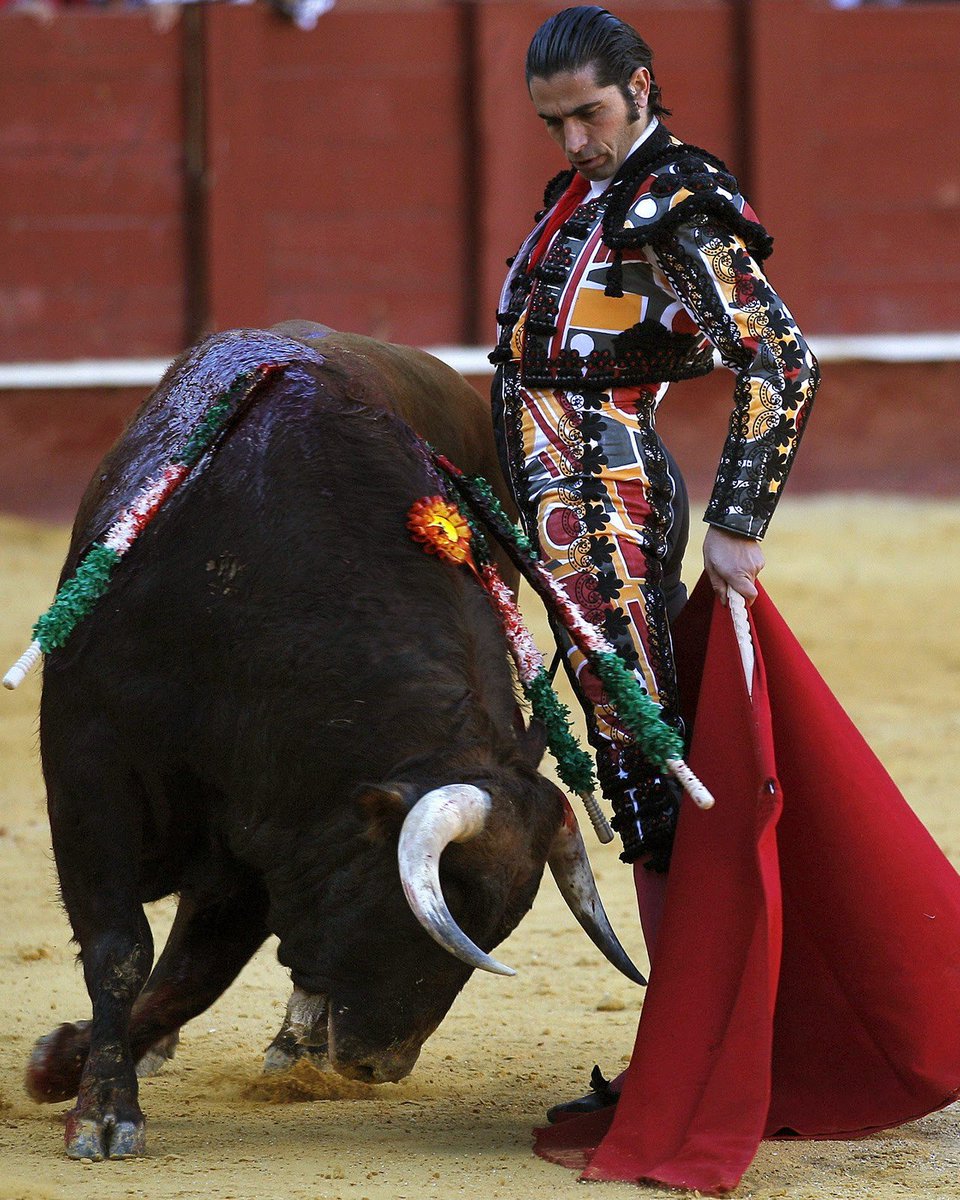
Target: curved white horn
point(454, 813)
point(571, 869)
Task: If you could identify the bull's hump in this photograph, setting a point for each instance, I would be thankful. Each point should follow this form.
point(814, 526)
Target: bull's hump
point(213, 365)
point(169, 416)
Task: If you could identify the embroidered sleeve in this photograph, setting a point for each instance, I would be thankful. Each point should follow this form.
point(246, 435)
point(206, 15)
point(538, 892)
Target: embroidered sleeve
point(725, 291)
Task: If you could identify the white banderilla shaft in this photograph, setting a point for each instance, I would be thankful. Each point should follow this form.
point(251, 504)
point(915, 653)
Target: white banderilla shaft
point(17, 673)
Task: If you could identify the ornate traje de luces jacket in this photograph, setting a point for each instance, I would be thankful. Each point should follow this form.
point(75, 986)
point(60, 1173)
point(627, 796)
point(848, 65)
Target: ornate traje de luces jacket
point(637, 289)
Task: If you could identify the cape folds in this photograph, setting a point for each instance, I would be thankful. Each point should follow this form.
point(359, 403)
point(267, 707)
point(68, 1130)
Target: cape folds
point(806, 975)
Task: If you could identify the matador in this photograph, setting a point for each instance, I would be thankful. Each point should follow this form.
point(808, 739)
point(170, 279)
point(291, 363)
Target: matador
point(644, 266)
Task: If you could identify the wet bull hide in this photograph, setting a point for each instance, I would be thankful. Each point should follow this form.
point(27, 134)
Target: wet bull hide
point(284, 711)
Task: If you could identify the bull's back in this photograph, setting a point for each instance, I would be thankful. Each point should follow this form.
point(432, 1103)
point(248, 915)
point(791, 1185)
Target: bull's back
point(276, 619)
point(162, 425)
point(436, 401)
point(422, 391)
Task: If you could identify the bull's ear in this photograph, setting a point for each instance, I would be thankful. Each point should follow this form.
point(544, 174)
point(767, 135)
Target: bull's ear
point(384, 807)
point(533, 741)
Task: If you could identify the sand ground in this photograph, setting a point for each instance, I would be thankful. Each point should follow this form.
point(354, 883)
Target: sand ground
point(871, 587)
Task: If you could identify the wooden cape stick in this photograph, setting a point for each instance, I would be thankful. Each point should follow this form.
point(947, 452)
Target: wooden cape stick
point(741, 627)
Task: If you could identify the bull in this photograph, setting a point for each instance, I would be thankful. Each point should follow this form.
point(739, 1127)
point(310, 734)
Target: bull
point(279, 699)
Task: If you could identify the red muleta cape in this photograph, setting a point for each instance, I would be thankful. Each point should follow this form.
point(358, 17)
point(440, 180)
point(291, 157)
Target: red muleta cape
point(807, 972)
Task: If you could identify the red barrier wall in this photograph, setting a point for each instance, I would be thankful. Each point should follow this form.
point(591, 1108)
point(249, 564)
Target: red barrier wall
point(337, 168)
point(91, 205)
point(375, 172)
point(855, 116)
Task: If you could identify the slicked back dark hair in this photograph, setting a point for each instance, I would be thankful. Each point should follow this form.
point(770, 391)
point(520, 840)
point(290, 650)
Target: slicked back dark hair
point(589, 35)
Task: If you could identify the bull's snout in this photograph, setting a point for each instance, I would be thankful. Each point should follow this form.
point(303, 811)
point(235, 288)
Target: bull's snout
point(351, 1057)
point(385, 1068)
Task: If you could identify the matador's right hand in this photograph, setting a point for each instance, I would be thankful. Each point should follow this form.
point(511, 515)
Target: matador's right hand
point(732, 560)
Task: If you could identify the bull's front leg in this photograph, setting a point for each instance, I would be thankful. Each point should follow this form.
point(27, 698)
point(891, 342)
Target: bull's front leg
point(208, 945)
point(96, 845)
point(107, 1121)
point(92, 1060)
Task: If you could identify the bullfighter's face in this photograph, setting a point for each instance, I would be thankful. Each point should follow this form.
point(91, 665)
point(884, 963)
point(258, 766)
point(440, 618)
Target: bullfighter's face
point(594, 126)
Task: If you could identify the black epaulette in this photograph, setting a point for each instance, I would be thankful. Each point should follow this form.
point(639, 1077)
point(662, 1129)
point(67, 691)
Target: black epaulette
point(712, 191)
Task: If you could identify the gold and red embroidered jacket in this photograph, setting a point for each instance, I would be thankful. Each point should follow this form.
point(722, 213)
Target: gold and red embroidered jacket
point(640, 285)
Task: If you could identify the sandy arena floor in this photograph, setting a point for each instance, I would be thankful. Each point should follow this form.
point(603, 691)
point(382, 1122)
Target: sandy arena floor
point(871, 588)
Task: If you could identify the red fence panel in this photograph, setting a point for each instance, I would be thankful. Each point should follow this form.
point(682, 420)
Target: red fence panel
point(855, 117)
point(375, 173)
point(91, 218)
point(337, 165)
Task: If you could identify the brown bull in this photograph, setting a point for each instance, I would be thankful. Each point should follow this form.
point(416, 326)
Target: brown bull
point(279, 699)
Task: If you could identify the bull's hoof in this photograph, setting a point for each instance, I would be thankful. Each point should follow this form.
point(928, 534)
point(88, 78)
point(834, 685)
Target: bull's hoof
point(285, 1051)
point(55, 1066)
point(151, 1063)
point(103, 1137)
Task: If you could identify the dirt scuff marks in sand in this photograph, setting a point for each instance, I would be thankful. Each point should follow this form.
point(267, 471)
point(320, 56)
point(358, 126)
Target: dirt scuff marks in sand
point(305, 1081)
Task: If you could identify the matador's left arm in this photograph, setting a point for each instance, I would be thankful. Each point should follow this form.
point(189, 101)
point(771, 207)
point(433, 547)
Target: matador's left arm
point(725, 291)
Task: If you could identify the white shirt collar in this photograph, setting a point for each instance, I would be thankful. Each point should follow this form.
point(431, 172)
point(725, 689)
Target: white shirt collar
point(599, 186)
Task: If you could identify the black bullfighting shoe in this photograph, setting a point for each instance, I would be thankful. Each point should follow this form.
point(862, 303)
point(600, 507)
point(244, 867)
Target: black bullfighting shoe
point(601, 1095)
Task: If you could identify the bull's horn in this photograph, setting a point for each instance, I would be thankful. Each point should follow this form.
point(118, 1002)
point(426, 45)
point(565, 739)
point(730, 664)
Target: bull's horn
point(571, 869)
point(454, 813)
